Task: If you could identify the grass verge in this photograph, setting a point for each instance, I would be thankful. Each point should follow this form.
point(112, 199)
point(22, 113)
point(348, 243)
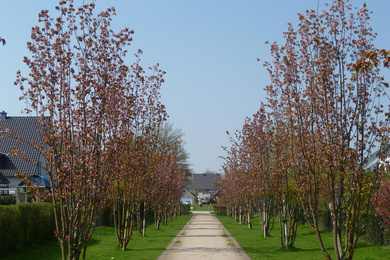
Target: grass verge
point(104, 246)
point(205, 207)
point(305, 247)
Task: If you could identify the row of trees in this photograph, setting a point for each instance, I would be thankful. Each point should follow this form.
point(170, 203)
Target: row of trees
point(306, 149)
point(102, 119)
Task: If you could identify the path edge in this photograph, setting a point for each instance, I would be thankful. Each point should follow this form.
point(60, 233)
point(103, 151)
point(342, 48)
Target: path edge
point(231, 238)
point(177, 237)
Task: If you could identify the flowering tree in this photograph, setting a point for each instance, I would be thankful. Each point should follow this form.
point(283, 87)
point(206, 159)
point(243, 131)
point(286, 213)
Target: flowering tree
point(332, 110)
point(280, 149)
point(203, 197)
point(382, 210)
point(247, 169)
point(235, 180)
point(170, 167)
point(76, 67)
point(166, 187)
point(258, 149)
point(134, 140)
point(312, 145)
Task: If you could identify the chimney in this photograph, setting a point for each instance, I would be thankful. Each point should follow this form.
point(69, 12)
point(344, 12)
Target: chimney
point(3, 115)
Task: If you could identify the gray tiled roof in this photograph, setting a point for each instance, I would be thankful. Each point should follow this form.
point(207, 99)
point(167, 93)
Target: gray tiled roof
point(3, 180)
point(28, 129)
point(205, 181)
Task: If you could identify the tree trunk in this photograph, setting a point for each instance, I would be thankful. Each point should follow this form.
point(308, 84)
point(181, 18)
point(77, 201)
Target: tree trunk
point(144, 221)
point(250, 216)
point(265, 218)
point(139, 217)
point(157, 219)
point(319, 238)
point(288, 223)
point(286, 236)
point(123, 221)
point(264, 222)
point(240, 215)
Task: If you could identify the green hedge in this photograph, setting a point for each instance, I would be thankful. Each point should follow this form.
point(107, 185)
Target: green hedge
point(22, 224)
point(185, 209)
point(220, 209)
point(7, 199)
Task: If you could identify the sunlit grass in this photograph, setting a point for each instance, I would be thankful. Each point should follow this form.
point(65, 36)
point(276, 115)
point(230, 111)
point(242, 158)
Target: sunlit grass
point(205, 207)
point(305, 247)
point(104, 246)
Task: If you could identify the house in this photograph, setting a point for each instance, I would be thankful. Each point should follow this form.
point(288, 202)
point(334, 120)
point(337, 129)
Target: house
point(187, 197)
point(374, 161)
point(20, 133)
point(203, 183)
point(4, 184)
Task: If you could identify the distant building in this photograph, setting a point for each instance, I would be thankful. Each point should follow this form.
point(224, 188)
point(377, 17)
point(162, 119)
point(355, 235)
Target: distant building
point(206, 183)
point(187, 197)
point(374, 161)
point(25, 131)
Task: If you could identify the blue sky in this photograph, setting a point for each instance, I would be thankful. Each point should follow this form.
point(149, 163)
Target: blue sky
point(209, 49)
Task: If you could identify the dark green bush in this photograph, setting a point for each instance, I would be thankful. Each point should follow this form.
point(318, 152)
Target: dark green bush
point(22, 224)
point(325, 220)
point(185, 209)
point(7, 199)
point(374, 233)
point(220, 209)
point(9, 227)
point(108, 217)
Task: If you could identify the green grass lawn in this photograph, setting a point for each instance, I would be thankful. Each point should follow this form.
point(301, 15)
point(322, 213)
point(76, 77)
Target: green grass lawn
point(104, 246)
point(205, 207)
point(305, 247)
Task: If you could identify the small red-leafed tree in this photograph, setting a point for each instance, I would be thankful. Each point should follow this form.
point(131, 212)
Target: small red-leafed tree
point(332, 110)
point(76, 67)
point(382, 210)
point(170, 146)
point(257, 147)
point(278, 147)
point(247, 172)
point(125, 171)
point(134, 140)
point(234, 168)
point(166, 189)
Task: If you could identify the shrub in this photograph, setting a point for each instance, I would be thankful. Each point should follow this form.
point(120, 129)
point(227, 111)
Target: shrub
point(185, 209)
point(7, 199)
point(108, 217)
point(9, 227)
point(325, 220)
point(373, 231)
point(22, 224)
point(220, 209)
point(382, 200)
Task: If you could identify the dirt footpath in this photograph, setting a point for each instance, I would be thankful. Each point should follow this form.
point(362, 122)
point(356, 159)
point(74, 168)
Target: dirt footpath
point(203, 237)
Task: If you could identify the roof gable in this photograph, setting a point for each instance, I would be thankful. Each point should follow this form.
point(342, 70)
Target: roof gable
point(29, 130)
point(205, 181)
point(3, 180)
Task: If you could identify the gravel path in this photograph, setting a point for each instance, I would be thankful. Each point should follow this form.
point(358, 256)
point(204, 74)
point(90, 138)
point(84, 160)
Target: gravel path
point(203, 237)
